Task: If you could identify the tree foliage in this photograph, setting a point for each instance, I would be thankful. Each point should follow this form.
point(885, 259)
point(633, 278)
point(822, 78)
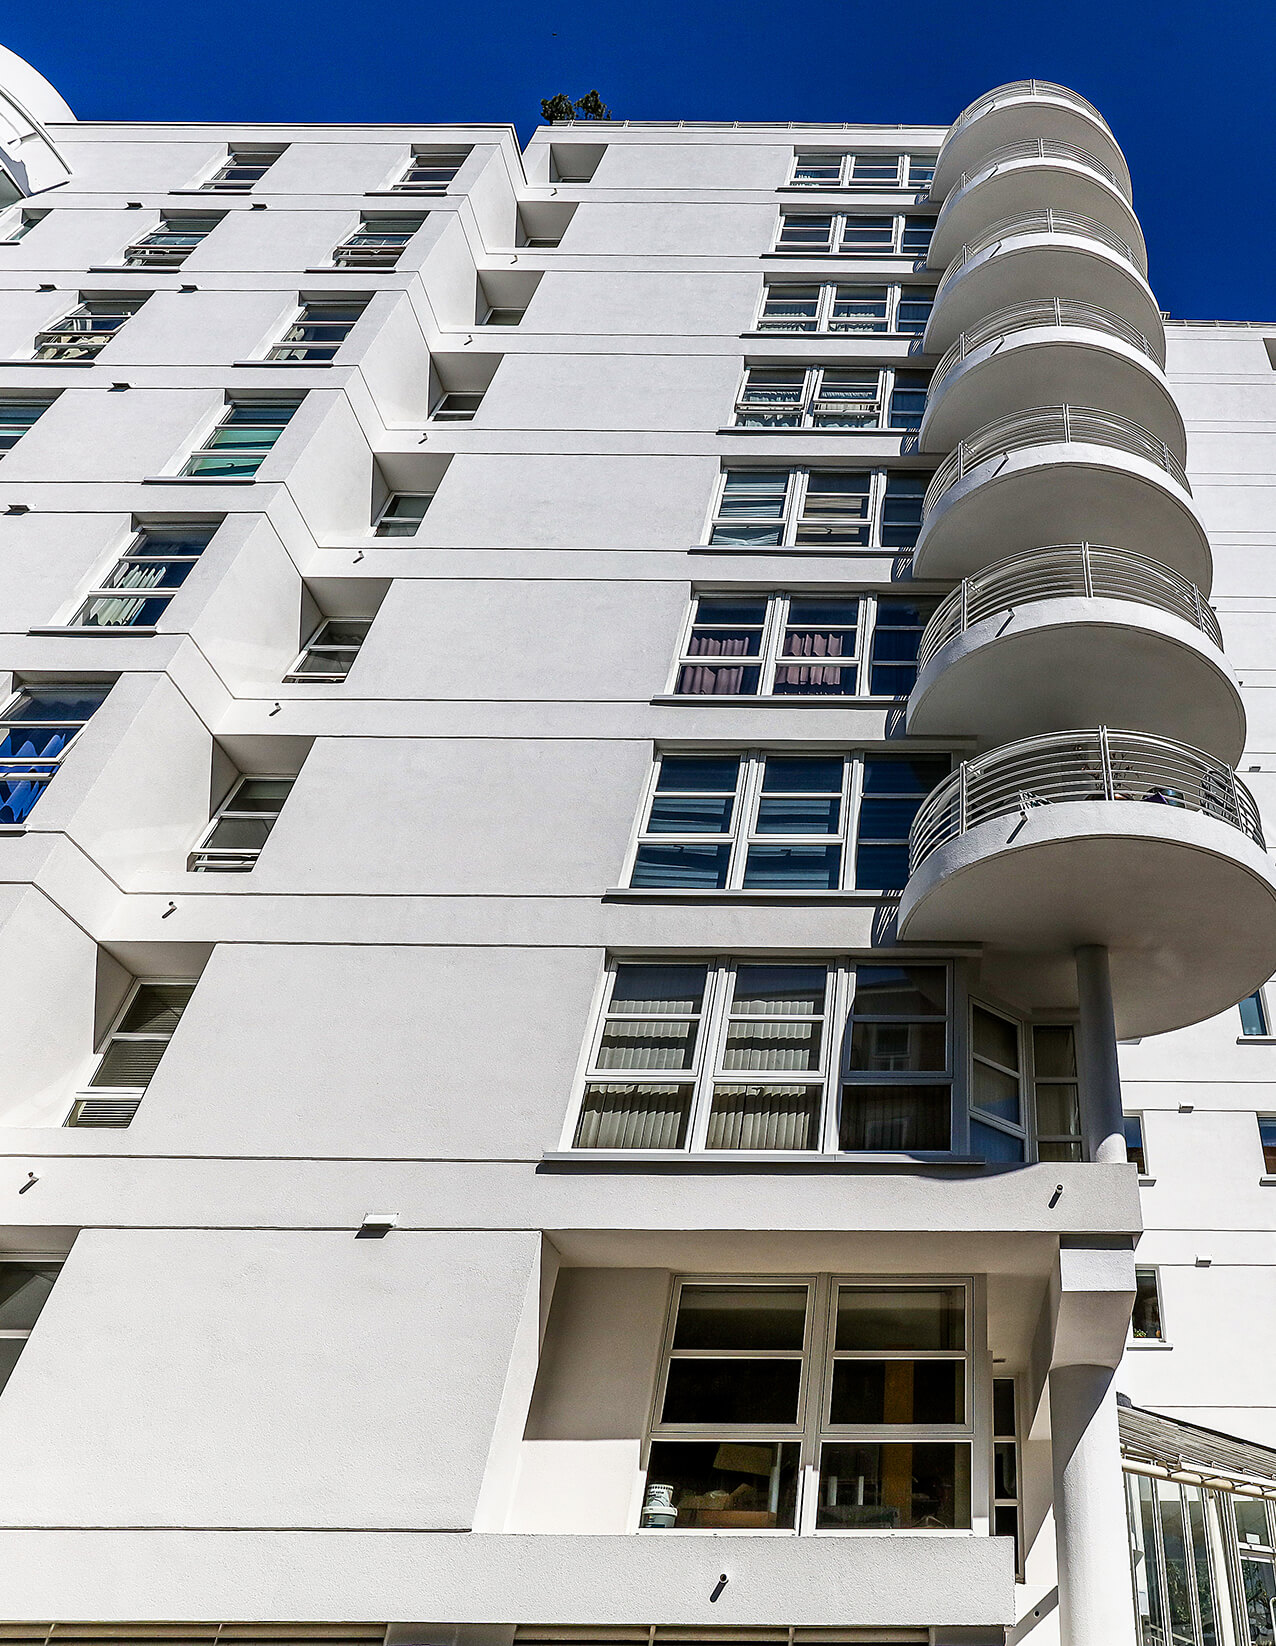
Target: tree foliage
point(562, 107)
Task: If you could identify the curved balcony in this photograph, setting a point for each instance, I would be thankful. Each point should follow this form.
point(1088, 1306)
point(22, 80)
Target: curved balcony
point(1087, 356)
point(1037, 256)
point(1148, 846)
point(1077, 635)
point(1017, 112)
point(1027, 177)
point(1064, 473)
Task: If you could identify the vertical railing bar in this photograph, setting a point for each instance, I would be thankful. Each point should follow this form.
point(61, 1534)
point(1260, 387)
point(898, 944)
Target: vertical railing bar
point(1105, 765)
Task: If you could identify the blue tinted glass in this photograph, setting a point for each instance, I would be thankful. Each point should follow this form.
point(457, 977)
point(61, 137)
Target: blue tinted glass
point(994, 1144)
point(793, 868)
point(693, 866)
point(896, 775)
point(895, 613)
point(798, 816)
point(896, 645)
point(886, 819)
point(647, 986)
point(76, 704)
point(1132, 1127)
point(842, 614)
point(692, 771)
point(690, 814)
point(1253, 1017)
point(744, 612)
point(881, 868)
point(802, 775)
point(744, 535)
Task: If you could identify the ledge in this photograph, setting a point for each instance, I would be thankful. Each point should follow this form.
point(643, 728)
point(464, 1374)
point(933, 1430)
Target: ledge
point(1148, 1343)
point(741, 894)
point(309, 365)
point(91, 362)
point(1256, 1039)
point(80, 628)
point(676, 1160)
point(198, 480)
point(1150, 1183)
point(1267, 1182)
point(732, 700)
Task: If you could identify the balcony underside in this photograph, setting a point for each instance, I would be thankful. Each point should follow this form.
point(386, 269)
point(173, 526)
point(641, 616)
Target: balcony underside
point(1021, 119)
point(1035, 267)
point(1185, 902)
point(1007, 188)
point(1053, 664)
point(1071, 363)
point(1062, 493)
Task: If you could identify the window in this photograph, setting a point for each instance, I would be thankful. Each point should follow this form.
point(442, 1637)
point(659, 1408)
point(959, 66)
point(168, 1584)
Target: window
point(169, 244)
point(24, 1290)
point(1146, 1320)
point(843, 307)
point(1132, 1126)
point(819, 508)
point(87, 330)
point(242, 168)
point(1173, 1531)
point(241, 442)
point(235, 837)
point(1005, 1465)
point(1253, 1010)
point(145, 577)
point(22, 225)
point(831, 397)
point(1267, 1141)
point(16, 417)
point(790, 645)
point(403, 514)
point(138, 1040)
point(457, 408)
point(748, 1055)
point(503, 317)
point(37, 728)
point(825, 169)
point(779, 822)
point(1055, 1091)
point(854, 234)
point(319, 330)
point(431, 170)
point(376, 243)
point(331, 649)
point(998, 1117)
point(823, 1405)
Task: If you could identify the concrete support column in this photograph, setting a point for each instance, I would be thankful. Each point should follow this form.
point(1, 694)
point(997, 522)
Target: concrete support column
point(1096, 1603)
point(1100, 1077)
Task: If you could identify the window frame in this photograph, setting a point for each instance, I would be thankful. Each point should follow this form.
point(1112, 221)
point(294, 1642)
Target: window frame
point(427, 156)
point(1264, 1030)
point(150, 251)
point(385, 518)
point(303, 350)
point(209, 449)
point(141, 531)
point(71, 344)
point(905, 162)
point(829, 293)
point(316, 642)
point(1269, 1158)
point(39, 770)
point(373, 256)
point(841, 223)
point(8, 423)
point(240, 157)
point(793, 518)
point(125, 1097)
point(236, 860)
point(811, 393)
point(1022, 1131)
point(1161, 1336)
point(25, 221)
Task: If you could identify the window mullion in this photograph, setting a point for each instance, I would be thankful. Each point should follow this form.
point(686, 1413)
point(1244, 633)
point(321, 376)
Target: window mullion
point(752, 765)
point(713, 1031)
point(855, 799)
point(773, 642)
point(795, 494)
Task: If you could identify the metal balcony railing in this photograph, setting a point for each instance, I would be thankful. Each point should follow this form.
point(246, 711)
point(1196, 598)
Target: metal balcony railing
point(1066, 571)
point(1040, 148)
point(1023, 88)
point(1056, 311)
point(1080, 766)
point(1046, 221)
point(1051, 426)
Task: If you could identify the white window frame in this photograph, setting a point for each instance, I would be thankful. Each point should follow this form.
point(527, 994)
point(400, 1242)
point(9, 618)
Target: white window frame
point(259, 157)
point(1022, 1131)
point(115, 1106)
point(808, 406)
point(39, 769)
point(1153, 1269)
point(142, 532)
point(293, 347)
point(792, 518)
point(919, 161)
point(426, 156)
point(236, 860)
point(442, 412)
point(840, 222)
point(151, 251)
point(209, 449)
point(66, 341)
point(385, 517)
point(376, 254)
point(317, 642)
point(830, 293)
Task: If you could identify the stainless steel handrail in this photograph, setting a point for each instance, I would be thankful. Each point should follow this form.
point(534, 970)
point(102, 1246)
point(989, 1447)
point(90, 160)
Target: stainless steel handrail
point(1039, 148)
point(1100, 765)
point(1046, 221)
point(1021, 88)
point(1066, 571)
point(1055, 311)
point(1049, 426)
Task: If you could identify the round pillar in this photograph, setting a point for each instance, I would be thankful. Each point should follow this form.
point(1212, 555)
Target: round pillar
point(1102, 1118)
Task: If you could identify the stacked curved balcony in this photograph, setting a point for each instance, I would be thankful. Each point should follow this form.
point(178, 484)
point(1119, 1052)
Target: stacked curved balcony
point(1077, 649)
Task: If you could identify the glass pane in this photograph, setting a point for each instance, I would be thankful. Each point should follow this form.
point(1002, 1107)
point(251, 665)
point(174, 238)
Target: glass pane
point(658, 989)
point(129, 1063)
point(10, 1349)
point(1058, 1151)
point(1140, 1513)
point(157, 1008)
point(894, 1485)
point(742, 536)
point(24, 1288)
point(898, 1391)
point(1196, 1511)
point(1146, 1321)
point(740, 1317)
point(896, 1117)
point(793, 868)
point(1058, 1114)
point(654, 1043)
point(1259, 1580)
point(994, 1144)
point(800, 775)
point(764, 1117)
point(901, 991)
point(723, 642)
point(633, 1117)
point(772, 1046)
point(1253, 1017)
point(881, 868)
point(755, 493)
point(995, 1092)
point(716, 1484)
point(1179, 1578)
point(899, 1048)
point(731, 613)
point(1251, 1522)
point(1005, 1482)
point(724, 680)
point(701, 868)
point(1003, 1408)
point(1054, 1051)
point(994, 1037)
point(732, 1391)
point(798, 816)
point(239, 833)
point(779, 991)
point(690, 814)
point(911, 1317)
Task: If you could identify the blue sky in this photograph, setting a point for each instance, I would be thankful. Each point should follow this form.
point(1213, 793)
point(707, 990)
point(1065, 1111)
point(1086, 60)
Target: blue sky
point(1190, 90)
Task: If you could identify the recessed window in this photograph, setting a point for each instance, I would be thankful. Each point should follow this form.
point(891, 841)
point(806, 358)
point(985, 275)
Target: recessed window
point(377, 243)
point(37, 729)
point(85, 332)
point(1055, 1091)
point(845, 307)
point(1132, 1125)
point(457, 408)
point(234, 839)
point(331, 649)
point(831, 397)
point(431, 170)
point(16, 417)
point(868, 169)
point(1005, 1470)
point(503, 317)
point(170, 243)
point(137, 1041)
point(819, 508)
point(241, 168)
point(1267, 1141)
point(136, 592)
point(242, 441)
point(24, 1290)
point(854, 234)
point(403, 514)
point(22, 225)
point(998, 1122)
point(1253, 1010)
point(897, 1094)
point(1145, 1322)
point(319, 330)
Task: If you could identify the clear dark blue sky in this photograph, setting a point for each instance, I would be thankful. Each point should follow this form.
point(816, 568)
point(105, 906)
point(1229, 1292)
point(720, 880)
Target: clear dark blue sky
point(1190, 89)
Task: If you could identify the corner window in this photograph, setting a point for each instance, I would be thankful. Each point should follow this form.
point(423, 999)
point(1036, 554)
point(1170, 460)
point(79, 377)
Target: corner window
point(1145, 1323)
point(318, 331)
point(814, 509)
point(37, 729)
point(244, 820)
point(431, 170)
point(169, 244)
point(137, 590)
point(24, 1290)
point(403, 514)
point(377, 243)
point(85, 332)
point(1056, 1092)
point(241, 168)
point(331, 649)
point(137, 1041)
point(242, 441)
point(854, 234)
point(845, 307)
point(998, 1122)
point(828, 397)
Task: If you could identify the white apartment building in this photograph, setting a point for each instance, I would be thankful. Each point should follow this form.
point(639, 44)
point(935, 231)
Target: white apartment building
point(601, 745)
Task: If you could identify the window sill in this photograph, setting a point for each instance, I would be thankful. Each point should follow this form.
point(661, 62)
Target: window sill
point(198, 480)
point(810, 428)
point(1148, 1343)
point(1256, 1039)
point(744, 894)
point(793, 550)
point(677, 1160)
point(1267, 1182)
point(741, 700)
point(406, 194)
point(12, 828)
point(309, 365)
point(81, 628)
point(868, 254)
point(92, 362)
point(1147, 1183)
point(834, 332)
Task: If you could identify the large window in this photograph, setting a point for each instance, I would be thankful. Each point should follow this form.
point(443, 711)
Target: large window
point(170, 243)
point(37, 729)
point(138, 588)
point(782, 822)
point(137, 1041)
point(854, 234)
point(812, 1405)
point(241, 168)
point(844, 306)
point(831, 397)
point(88, 328)
point(431, 170)
point(819, 508)
point(242, 441)
point(16, 417)
point(24, 1290)
point(377, 243)
point(800, 645)
point(1179, 1589)
point(867, 169)
point(319, 330)
point(235, 837)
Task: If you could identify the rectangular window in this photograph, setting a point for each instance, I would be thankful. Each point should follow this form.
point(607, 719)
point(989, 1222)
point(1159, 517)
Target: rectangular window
point(242, 168)
point(831, 397)
point(331, 649)
point(854, 234)
point(234, 839)
point(168, 245)
point(85, 332)
point(1267, 1141)
point(850, 1388)
point(431, 170)
point(22, 225)
point(780, 822)
point(37, 728)
point(1132, 1125)
point(1253, 1010)
point(16, 417)
point(1005, 1466)
point(789, 645)
point(319, 330)
point(136, 592)
point(998, 1121)
point(756, 1055)
point(403, 514)
point(819, 508)
point(137, 1041)
point(1055, 1091)
point(242, 441)
point(829, 169)
point(845, 307)
point(377, 243)
point(1146, 1320)
point(457, 408)
point(24, 1290)
point(503, 317)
